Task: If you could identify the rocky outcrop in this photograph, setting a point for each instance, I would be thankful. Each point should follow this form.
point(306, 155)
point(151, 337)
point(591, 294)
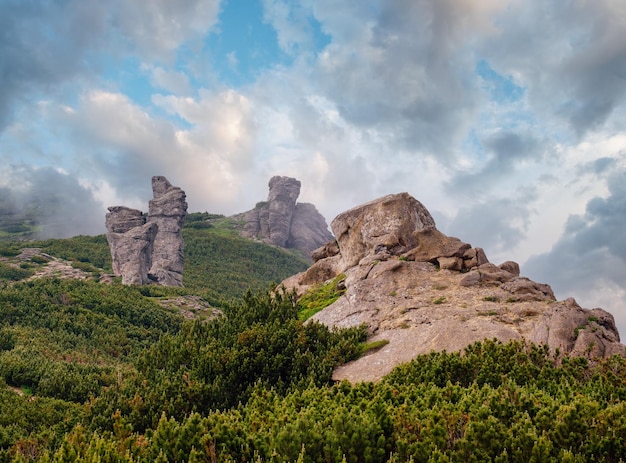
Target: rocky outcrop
point(149, 249)
point(281, 202)
point(423, 291)
point(308, 230)
point(131, 243)
point(167, 210)
point(281, 221)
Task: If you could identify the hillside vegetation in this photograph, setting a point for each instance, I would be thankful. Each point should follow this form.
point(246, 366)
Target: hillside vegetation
point(219, 264)
point(103, 372)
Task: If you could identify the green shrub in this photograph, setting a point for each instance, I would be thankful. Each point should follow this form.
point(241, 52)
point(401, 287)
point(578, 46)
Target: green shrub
point(320, 297)
point(8, 272)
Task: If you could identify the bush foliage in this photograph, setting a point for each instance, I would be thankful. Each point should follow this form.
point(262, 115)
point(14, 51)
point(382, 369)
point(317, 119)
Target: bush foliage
point(104, 372)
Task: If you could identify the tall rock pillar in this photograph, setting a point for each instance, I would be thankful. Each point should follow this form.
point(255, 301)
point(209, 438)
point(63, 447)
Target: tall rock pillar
point(130, 240)
point(167, 210)
point(284, 192)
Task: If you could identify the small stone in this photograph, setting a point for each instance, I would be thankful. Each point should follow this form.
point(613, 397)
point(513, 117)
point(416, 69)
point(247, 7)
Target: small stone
point(450, 263)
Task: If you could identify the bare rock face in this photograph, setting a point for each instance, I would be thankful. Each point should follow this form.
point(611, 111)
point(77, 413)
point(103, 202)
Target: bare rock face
point(167, 210)
point(131, 253)
point(283, 222)
point(424, 291)
point(149, 249)
point(284, 192)
point(308, 229)
point(387, 223)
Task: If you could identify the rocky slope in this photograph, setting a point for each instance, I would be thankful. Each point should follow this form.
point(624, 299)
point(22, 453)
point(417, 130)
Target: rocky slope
point(149, 249)
point(282, 221)
point(421, 291)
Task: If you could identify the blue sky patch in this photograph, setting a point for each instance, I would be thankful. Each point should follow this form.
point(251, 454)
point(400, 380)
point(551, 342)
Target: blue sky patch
point(243, 45)
point(501, 88)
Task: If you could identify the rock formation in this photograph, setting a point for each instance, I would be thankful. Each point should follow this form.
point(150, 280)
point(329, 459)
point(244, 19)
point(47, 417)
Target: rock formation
point(167, 210)
point(131, 243)
point(149, 249)
point(283, 222)
point(423, 291)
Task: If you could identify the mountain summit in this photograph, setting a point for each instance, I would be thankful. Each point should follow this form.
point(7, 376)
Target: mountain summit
point(418, 291)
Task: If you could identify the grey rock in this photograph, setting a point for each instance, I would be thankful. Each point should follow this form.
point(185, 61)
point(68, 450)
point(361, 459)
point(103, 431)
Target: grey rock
point(131, 253)
point(284, 192)
point(283, 222)
point(450, 263)
point(524, 289)
point(423, 291)
point(390, 221)
point(328, 250)
point(475, 257)
point(167, 210)
point(120, 219)
point(308, 229)
point(149, 249)
point(511, 267)
point(430, 244)
point(486, 274)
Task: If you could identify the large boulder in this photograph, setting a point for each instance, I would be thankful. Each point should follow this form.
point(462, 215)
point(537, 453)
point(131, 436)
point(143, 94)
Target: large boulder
point(386, 223)
point(149, 249)
point(422, 291)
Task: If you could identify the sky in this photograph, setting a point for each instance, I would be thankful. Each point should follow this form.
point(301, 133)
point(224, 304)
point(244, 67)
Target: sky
point(505, 118)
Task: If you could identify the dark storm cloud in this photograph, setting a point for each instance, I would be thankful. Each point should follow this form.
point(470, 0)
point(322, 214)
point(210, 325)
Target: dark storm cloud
point(570, 55)
point(593, 245)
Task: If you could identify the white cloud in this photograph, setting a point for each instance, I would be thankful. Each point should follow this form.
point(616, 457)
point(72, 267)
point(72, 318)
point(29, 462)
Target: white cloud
point(291, 21)
point(158, 27)
point(175, 82)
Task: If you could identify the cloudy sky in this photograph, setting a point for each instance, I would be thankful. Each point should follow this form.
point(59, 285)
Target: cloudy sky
point(507, 119)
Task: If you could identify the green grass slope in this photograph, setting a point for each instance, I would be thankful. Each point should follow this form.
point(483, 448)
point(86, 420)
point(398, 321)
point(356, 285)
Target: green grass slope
point(219, 264)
